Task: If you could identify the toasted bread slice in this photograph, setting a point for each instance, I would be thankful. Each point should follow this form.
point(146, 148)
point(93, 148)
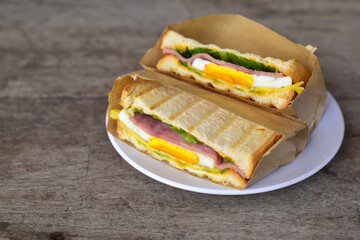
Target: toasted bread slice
point(231, 136)
point(279, 100)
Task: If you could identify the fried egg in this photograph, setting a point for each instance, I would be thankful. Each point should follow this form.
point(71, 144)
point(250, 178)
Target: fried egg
point(238, 77)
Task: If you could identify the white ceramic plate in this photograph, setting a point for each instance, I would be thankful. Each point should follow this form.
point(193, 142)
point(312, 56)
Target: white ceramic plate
point(325, 141)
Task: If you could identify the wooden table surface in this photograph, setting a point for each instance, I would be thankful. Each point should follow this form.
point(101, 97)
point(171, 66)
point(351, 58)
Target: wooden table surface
point(60, 178)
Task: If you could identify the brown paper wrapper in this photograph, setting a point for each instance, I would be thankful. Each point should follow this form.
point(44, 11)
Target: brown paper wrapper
point(239, 33)
point(294, 133)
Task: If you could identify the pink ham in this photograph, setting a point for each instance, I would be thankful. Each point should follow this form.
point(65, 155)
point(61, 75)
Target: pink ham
point(159, 129)
point(205, 56)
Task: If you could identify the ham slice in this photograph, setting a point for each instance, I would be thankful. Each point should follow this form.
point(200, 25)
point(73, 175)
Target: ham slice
point(205, 56)
point(159, 129)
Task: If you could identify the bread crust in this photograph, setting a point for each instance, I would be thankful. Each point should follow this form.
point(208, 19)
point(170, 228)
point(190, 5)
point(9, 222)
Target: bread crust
point(227, 133)
point(297, 72)
point(229, 178)
point(134, 89)
point(290, 68)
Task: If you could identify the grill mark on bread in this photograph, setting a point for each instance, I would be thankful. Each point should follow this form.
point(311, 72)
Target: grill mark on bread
point(146, 90)
point(182, 110)
point(221, 130)
point(158, 104)
point(243, 139)
point(213, 110)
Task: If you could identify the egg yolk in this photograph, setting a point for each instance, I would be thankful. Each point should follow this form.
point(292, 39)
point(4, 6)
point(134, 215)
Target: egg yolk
point(176, 151)
point(228, 74)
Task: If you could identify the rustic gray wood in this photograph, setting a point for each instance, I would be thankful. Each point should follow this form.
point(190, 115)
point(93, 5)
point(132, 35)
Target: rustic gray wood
point(60, 178)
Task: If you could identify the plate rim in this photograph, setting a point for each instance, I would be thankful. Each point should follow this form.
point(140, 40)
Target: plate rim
point(230, 191)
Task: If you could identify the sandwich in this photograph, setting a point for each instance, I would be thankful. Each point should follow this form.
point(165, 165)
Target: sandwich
point(190, 133)
point(266, 81)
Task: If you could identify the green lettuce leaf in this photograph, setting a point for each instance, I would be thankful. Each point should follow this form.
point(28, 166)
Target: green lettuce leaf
point(228, 160)
point(186, 136)
point(228, 57)
point(142, 112)
point(138, 111)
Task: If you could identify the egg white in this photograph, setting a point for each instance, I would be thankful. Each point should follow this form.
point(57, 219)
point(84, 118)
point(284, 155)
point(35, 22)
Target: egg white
point(125, 118)
point(268, 81)
point(259, 81)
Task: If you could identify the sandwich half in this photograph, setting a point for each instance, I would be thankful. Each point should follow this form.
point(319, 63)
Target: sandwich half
point(190, 133)
point(266, 81)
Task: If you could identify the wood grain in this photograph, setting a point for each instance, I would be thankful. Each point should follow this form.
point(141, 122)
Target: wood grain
point(60, 178)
